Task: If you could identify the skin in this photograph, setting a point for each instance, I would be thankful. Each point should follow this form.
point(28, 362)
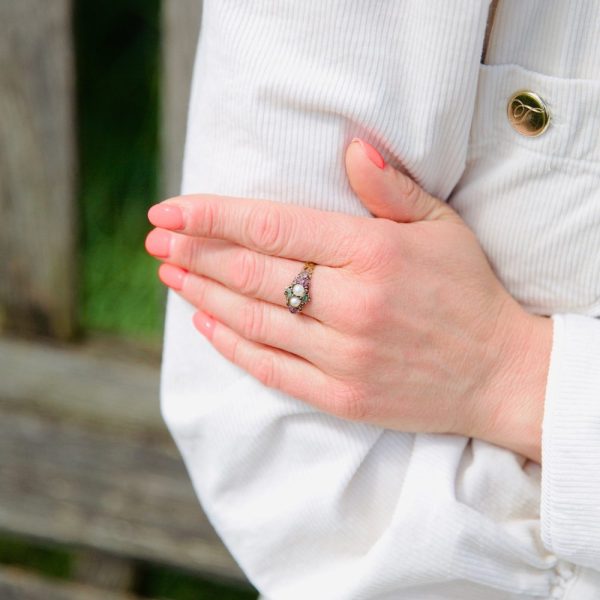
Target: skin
point(411, 331)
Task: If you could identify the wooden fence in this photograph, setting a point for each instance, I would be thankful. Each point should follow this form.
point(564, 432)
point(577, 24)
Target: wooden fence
point(85, 459)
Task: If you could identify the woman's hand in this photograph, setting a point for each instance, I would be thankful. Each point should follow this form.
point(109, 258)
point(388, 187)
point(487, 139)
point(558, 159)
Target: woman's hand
point(408, 326)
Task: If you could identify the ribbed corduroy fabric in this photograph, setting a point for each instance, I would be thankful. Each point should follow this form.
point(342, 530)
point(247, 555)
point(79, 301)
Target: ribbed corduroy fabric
point(312, 506)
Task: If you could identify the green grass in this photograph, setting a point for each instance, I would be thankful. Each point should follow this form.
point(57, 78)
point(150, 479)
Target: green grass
point(117, 50)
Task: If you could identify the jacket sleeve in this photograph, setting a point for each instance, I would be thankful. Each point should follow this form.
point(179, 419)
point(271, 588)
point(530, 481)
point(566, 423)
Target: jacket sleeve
point(304, 501)
point(570, 503)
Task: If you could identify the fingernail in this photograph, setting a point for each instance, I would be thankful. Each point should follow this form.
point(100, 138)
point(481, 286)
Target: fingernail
point(166, 215)
point(158, 243)
point(371, 153)
point(205, 324)
point(172, 276)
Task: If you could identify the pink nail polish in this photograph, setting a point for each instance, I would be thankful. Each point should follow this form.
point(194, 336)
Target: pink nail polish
point(172, 276)
point(168, 216)
point(371, 153)
point(158, 243)
point(205, 324)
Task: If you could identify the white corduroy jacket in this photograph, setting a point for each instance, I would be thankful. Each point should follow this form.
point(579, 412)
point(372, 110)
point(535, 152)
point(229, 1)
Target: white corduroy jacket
point(316, 507)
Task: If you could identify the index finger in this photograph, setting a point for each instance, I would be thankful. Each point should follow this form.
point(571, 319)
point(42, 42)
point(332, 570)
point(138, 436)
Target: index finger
point(275, 228)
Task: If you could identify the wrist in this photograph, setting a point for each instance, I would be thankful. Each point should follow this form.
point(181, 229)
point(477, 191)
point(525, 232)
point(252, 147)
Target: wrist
point(513, 402)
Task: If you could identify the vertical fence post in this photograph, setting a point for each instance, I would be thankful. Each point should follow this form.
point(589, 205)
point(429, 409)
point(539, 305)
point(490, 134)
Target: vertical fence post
point(180, 28)
point(37, 168)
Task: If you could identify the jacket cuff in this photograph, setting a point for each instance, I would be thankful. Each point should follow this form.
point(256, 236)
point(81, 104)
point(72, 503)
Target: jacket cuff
point(570, 484)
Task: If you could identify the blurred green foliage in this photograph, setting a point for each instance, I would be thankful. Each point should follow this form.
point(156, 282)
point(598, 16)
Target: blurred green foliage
point(152, 581)
point(167, 583)
point(45, 560)
point(118, 58)
point(117, 50)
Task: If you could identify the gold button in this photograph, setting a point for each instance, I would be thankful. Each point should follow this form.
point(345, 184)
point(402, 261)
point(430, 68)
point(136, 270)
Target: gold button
point(528, 113)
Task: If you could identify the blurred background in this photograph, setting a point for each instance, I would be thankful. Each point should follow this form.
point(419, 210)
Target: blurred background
point(94, 499)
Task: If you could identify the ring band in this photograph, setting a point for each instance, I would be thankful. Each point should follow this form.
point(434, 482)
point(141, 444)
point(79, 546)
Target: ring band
point(297, 293)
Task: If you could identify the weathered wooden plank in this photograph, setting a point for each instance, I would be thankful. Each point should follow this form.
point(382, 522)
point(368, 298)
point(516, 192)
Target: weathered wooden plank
point(180, 28)
point(86, 459)
point(120, 494)
point(37, 168)
point(104, 385)
point(102, 570)
point(17, 584)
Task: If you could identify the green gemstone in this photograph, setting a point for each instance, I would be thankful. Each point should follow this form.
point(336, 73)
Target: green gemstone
point(305, 298)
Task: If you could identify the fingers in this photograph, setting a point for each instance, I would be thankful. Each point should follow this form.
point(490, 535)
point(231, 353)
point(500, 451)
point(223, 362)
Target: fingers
point(254, 319)
point(275, 368)
point(251, 273)
point(390, 193)
point(275, 228)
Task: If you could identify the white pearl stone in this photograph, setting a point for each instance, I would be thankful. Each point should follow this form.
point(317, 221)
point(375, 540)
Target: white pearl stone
point(295, 301)
point(298, 290)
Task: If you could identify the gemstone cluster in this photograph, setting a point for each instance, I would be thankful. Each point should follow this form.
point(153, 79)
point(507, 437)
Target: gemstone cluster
point(297, 293)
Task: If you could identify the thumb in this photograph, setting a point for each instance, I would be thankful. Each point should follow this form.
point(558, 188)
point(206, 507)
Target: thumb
point(389, 193)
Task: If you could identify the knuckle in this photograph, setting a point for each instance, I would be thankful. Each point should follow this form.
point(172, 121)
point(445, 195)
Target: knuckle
point(375, 304)
point(248, 272)
point(382, 248)
point(268, 229)
point(232, 351)
point(348, 401)
point(427, 207)
point(185, 250)
point(409, 189)
point(198, 290)
point(353, 354)
point(265, 370)
point(360, 355)
point(370, 309)
point(204, 218)
point(253, 320)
